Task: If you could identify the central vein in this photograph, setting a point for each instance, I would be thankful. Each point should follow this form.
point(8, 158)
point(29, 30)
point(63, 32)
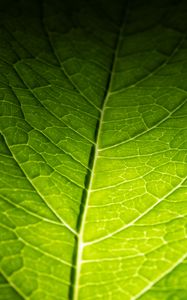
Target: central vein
point(90, 176)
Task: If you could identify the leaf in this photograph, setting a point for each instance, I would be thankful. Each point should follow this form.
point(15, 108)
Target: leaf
point(93, 139)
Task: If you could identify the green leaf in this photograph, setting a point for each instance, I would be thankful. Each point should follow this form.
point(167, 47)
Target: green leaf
point(93, 139)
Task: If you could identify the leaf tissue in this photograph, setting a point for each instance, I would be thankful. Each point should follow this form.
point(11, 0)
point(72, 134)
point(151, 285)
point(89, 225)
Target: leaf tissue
point(93, 140)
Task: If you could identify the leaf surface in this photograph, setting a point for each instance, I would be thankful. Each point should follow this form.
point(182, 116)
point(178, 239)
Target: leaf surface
point(93, 139)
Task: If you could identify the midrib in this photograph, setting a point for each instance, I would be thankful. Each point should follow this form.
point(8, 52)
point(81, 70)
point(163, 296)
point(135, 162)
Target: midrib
point(94, 155)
